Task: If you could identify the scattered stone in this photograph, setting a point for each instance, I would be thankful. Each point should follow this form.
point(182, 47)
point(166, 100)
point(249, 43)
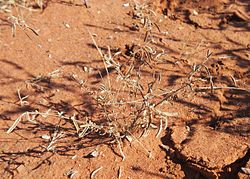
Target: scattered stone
point(49, 56)
point(126, 5)
point(195, 13)
point(46, 137)
point(245, 171)
point(92, 154)
point(67, 25)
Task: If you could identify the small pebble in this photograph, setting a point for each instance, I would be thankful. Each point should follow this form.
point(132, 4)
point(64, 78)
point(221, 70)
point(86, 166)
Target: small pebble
point(126, 5)
point(46, 137)
point(245, 170)
point(195, 13)
point(67, 25)
point(92, 154)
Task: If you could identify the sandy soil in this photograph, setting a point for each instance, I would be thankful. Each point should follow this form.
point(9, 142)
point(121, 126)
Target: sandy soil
point(197, 63)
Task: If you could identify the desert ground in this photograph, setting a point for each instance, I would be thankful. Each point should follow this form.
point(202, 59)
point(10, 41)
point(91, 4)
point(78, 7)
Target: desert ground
point(125, 89)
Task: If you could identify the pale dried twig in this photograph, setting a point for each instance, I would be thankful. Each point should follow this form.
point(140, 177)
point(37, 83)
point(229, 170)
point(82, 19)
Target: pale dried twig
point(95, 171)
point(22, 99)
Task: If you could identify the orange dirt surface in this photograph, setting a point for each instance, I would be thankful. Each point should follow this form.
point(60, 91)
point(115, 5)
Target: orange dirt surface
point(196, 76)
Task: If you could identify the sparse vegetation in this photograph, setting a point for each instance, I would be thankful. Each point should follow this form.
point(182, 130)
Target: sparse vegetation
point(132, 97)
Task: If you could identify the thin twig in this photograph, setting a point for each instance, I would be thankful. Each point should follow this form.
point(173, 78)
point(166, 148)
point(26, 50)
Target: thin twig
point(160, 129)
point(94, 172)
point(22, 99)
point(120, 149)
point(103, 57)
point(119, 172)
point(223, 87)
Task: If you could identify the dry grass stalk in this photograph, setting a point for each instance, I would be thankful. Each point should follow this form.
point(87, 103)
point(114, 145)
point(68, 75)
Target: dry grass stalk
point(223, 87)
point(92, 175)
point(119, 172)
point(73, 118)
point(160, 129)
point(31, 116)
point(55, 137)
point(37, 81)
point(22, 99)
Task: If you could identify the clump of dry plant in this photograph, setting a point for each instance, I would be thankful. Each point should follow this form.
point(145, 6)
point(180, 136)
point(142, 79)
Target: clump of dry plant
point(129, 99)
point(13, 13)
